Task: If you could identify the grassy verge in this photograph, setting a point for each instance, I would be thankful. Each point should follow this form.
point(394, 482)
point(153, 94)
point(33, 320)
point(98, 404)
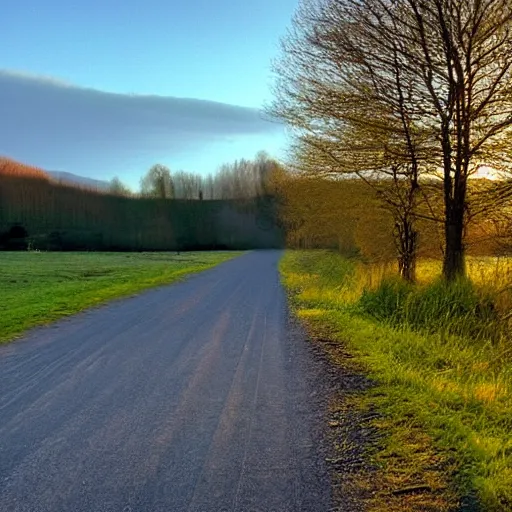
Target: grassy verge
point(39, 287)
point(444, 398)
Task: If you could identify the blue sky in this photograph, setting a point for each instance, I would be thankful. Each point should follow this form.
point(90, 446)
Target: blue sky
point(74, 74)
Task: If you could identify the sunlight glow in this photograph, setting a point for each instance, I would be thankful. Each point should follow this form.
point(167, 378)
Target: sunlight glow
point(486, 172)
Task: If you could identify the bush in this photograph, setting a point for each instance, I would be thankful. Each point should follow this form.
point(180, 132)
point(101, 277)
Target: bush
point(15, 239)
point(71, 240)
point(456, 308)
point(388, 301)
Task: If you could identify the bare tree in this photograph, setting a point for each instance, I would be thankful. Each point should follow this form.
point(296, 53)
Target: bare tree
point(348, 106)
point(242, 179)
point(157, 182)
point(118, 188)
point(187, 185)
point(442, 68)
point(462, 53)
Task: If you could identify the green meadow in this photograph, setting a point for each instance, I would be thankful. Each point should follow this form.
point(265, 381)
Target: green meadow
point(39, 287)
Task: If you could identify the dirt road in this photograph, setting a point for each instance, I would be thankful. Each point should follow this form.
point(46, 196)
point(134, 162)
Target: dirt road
point(196, 397)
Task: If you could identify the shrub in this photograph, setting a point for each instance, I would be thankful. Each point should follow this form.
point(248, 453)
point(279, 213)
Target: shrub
point(15, 239)
point(456, 308)
point(387, 302)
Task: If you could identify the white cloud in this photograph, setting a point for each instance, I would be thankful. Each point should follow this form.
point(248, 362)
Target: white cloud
point(26, 75)
point(57, 125)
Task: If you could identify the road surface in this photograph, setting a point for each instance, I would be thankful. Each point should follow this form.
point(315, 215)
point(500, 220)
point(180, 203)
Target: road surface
point(194, 397)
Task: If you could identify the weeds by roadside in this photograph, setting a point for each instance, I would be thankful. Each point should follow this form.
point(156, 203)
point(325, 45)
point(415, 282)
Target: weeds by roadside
point(444, 393)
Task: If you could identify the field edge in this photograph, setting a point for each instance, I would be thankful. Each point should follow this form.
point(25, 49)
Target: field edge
point(114, 291)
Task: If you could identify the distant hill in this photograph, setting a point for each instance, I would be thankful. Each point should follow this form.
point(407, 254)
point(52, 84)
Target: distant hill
point(10, 167)
point(73, 179)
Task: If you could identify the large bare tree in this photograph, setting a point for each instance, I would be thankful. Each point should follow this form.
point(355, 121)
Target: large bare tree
point(349, 106)
point(434, 77)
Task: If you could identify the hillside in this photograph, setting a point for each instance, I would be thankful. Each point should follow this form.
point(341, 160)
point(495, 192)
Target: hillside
point(69, 178)
point(9, 167)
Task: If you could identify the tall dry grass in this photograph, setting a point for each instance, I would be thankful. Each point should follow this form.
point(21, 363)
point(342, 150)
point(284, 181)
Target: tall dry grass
point(441, 355)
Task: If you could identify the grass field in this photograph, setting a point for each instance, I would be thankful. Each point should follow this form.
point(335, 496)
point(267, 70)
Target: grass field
point(39, 287)
point(444, 394)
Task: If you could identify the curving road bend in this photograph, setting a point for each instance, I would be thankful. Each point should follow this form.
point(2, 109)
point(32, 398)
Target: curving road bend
point(195, 397)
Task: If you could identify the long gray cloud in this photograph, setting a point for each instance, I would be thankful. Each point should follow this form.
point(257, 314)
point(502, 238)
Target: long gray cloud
point(44, 120)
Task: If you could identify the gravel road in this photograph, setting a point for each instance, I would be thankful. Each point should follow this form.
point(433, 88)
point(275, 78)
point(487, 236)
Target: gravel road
point(194, 397)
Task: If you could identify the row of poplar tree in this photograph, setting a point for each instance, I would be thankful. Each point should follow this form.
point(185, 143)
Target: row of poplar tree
point(241, 179)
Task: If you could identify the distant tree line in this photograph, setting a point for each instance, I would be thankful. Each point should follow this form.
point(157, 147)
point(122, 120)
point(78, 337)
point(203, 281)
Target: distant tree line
point(348, 216)
point(278, 206)
point(241, 179)
point(39, 213)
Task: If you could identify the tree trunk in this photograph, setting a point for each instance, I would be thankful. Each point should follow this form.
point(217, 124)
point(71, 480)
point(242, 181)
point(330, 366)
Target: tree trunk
point(454, 261)
point(407, 268)
point(407, 238)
